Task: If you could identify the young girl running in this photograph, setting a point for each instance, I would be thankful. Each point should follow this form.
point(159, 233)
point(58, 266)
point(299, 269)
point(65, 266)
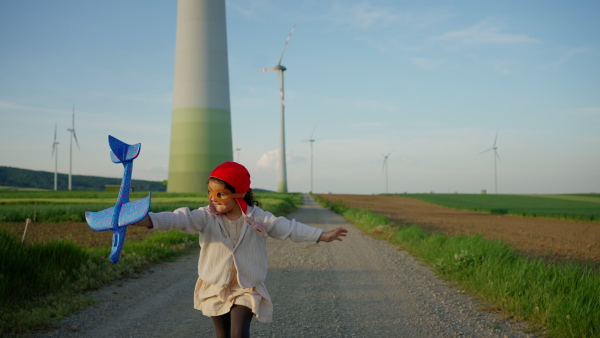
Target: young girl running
point(233, 258)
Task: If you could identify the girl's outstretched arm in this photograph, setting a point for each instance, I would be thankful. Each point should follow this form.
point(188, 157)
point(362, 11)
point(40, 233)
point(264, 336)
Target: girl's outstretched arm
point(333, 235)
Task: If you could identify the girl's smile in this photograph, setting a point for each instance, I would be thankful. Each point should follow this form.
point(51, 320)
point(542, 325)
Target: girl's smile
point(230, 208)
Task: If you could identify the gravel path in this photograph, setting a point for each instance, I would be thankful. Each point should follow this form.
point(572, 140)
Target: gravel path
point(360, 287)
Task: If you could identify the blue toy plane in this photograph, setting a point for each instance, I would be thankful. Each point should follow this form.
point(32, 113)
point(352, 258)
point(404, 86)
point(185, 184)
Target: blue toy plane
point(124, 213)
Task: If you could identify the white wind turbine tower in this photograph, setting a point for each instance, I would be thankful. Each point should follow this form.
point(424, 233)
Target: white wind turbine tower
point(494, 148)
point(385, 168)
point(311, 140)
point(71, 137)
point(279, 68)
point(55, 155)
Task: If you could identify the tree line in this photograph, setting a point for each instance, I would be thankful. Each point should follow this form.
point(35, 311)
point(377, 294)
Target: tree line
point(25, 178)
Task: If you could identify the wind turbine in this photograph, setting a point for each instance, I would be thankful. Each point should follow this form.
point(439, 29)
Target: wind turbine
point(311, 140)
point(238, 151)
point(279, 68)
point(385, 168)
point(73, 136)
point(55, 155)
point(494, 148)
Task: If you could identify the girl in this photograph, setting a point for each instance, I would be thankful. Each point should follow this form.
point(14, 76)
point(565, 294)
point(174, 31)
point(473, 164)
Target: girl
point(233, 258)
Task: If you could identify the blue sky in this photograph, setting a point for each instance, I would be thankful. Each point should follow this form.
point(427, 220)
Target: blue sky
point(432, 82)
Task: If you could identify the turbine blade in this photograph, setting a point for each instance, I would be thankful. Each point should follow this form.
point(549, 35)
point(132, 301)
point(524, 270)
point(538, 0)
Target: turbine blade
point(496, 139)
point(267, 69)
point(54, 142)
point(498, 156)
point(73, 128)
point(75, 136)
point(285, 45)
point(485, 151)
point(313, 131)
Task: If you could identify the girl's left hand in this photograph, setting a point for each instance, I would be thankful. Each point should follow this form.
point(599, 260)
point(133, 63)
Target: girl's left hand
point(333, 235)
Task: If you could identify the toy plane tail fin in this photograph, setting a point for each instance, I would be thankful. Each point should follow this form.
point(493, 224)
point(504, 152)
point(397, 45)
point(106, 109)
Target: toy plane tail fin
point(121, 151)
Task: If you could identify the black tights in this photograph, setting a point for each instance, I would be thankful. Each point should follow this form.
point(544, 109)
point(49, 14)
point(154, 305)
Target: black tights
point(235, 323)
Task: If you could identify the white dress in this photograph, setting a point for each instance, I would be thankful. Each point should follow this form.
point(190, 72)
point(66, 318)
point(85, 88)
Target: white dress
point(215, 300)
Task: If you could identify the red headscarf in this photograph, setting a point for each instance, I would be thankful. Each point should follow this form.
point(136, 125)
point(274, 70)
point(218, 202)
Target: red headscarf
point(237, 176)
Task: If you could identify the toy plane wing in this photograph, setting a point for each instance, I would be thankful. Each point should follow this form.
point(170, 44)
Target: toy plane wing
point(101, 220)
point(131, 212)
point(134, 211)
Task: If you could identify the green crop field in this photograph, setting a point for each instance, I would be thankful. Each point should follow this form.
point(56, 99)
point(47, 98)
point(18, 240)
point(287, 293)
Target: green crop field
point(579, 207)
point(70, 206)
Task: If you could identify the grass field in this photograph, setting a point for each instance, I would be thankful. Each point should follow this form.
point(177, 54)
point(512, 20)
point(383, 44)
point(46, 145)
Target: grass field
point(70, 206)
point(578, 207)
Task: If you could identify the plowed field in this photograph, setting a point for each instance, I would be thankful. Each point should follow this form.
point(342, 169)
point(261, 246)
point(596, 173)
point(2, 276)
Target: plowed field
point(76, 231)
point(547, 238)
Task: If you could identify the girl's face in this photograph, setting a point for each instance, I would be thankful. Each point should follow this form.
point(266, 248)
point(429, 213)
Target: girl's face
point(230, 207)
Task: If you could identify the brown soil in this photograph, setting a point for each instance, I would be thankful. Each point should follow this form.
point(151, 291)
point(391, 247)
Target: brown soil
point(547, 238)
point(78, 232)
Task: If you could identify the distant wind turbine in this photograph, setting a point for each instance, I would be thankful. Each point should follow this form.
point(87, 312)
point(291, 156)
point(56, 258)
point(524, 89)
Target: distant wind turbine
point(238, 151)
point(494, 148)
point(385, 168)
point(55, 155)
point(311, 140)
point(279, 68)
point(71, 137)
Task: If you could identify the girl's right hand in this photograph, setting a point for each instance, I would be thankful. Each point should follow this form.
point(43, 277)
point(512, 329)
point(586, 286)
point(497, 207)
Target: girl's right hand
point(333, 235)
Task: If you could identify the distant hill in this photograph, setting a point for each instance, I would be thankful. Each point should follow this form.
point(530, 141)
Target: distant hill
point(25, 178)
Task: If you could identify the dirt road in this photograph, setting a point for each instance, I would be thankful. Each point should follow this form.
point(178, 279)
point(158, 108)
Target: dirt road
point(360, 287)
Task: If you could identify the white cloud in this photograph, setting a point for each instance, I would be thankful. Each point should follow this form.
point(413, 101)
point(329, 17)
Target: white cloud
point(363, 15)
point(408, 160)
point(426, 63)
point(7, 105)
point(566, 56)
point(483, 32)
point(269, 160)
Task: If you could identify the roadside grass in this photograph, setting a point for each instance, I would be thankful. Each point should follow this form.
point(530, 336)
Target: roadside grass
point(576, 207)
point(559, 299)
point(42, 282)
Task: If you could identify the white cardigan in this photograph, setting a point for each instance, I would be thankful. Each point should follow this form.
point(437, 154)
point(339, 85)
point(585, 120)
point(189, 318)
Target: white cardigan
point(217, 254)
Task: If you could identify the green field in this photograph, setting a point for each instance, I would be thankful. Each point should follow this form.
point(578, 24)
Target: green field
point(579, 207)
point(70, 206)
